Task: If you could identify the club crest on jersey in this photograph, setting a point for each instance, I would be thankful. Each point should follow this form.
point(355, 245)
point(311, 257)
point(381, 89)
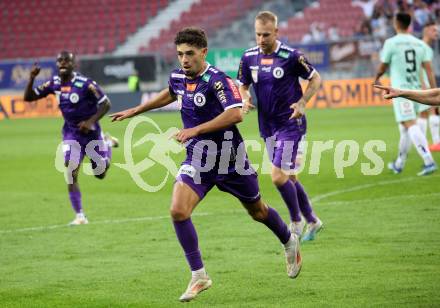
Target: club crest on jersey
point(74, 98)
point(278, 72)
point(199, 99)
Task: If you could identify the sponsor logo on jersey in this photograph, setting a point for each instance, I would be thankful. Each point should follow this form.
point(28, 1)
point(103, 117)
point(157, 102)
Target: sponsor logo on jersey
point(278, 72)
point(206, 77)
point(43, 86)
point(234, 89)
point(303, 62)
point(267, 61)
point(66, 89)
point(188, 170)
point(78, 84)
point(199, 99)
point(74, 98)
point(95, 92)
point(266, 69)
point(283, 54)
point(219, 87)
point(191, 87)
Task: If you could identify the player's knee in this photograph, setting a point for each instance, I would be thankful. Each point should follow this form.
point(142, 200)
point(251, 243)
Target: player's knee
point(178, 213)
point(278, 178)
point(293, 178)
point(258, 212)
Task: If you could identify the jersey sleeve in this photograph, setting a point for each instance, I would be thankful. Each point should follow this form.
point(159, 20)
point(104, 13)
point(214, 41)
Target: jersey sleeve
point(428, 53)
point(226, 92)
point(244, 75)
point(96, 92)
point(302, 66)
point(44, 89)
point(385, 54)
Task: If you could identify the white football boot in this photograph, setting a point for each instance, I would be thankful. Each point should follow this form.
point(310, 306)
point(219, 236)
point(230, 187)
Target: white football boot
point(293, 256)
point(297, 227)
point(312, 230)
point(80, 219)
point(195, 286)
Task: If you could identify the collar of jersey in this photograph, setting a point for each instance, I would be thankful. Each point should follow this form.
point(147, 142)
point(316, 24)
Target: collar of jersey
point(202, 73)
point(273, 53)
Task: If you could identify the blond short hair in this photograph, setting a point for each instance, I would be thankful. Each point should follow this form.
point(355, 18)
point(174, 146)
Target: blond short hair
point(267, 16)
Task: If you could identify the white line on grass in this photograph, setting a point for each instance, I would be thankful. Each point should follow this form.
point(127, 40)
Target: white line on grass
point(102, 222)
point(360, 187)
point(315, 199)
point(399, 197)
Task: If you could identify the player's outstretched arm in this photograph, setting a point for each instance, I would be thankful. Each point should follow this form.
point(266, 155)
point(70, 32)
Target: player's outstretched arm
point(224, 120)
point(29, 94)
point(299, 108)
point(427, 97)
point(162, 99)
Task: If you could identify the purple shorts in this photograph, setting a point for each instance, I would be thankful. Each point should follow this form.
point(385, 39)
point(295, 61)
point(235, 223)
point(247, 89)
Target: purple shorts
point(285, 150)
point(77, 145)
point(243, 187)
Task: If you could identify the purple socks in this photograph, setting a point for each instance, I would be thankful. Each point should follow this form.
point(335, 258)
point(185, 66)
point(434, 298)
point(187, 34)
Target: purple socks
point(277, 225)
point(304, 204)
point(187, 236)
point(75, 200)
point(289, 194)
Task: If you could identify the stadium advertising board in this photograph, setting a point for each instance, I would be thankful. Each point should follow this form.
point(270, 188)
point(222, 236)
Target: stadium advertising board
point(317, 54)
point(227, 60)
point(14, 107)
point(113, 70)
point(15, 74)
point(348, 93)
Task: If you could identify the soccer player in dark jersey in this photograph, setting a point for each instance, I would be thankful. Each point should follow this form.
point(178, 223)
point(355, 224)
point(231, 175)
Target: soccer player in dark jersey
point(210, 108)
point(82, 104)
point(273, 69)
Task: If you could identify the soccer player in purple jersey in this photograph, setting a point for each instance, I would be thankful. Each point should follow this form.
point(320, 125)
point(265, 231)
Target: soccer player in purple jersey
point(210, 108)
point(273, 69)
point(82, 104)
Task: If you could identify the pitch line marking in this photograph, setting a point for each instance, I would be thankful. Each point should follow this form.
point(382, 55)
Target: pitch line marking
point(363, 186)
point(315, 199)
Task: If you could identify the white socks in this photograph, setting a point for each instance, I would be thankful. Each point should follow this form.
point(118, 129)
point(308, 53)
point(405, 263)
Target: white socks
point(199, 273)
point(404, 146)
point(434, 127)
point(421, 143)
point(423, 124)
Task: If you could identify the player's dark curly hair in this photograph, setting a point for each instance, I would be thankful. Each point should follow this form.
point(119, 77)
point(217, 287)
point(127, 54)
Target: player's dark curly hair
point(192, 36)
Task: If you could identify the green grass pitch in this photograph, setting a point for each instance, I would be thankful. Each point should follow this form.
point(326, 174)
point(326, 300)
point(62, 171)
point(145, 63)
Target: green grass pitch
point(380, 245)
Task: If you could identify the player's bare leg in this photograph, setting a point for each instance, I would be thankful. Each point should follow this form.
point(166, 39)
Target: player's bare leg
point(260, 212)
point(183, 202)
